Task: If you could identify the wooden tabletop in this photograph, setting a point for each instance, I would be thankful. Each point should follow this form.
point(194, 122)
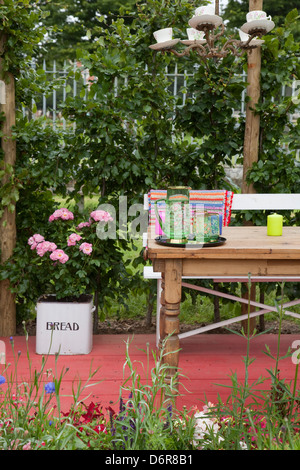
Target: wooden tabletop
point(246, 250)
point(245, 242)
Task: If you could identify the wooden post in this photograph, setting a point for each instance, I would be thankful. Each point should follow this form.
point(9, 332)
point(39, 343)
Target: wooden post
point(7, 222)
point(252, 126)
point(252, 129)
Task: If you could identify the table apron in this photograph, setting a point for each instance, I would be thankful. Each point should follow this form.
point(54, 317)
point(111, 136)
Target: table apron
point(261, 254)
point(240, 267)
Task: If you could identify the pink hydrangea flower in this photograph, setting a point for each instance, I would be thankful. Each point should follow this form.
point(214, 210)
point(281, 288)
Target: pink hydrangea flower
point(73, 238)
point(83, 224)
point(86, 248)
point(100, 215)
point(30, 241)
point(45, 246)
point(36, 238)
point(42, 248)
point(62, 213)
point(59, 255)
point(66, 214)
point(52, 246)
point(56, 215)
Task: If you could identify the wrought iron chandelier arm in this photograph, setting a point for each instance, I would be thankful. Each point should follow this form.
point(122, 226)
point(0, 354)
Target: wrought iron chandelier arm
point(220, 34)
point(201, 49)
point(178, 54)
point(212, 28)
point(232, 44)
point(233, 47)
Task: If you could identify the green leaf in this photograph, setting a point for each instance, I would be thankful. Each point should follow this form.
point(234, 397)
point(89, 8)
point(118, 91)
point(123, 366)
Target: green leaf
point(291, 17)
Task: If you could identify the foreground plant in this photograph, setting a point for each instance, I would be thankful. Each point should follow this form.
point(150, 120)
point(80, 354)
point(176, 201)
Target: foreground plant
point(31, 417)
point(148, 418)
point(30, 411)
point(253, 417)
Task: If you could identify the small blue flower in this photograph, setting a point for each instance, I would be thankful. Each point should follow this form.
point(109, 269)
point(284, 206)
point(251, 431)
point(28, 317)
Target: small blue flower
point(2, 380)
point(50, 387)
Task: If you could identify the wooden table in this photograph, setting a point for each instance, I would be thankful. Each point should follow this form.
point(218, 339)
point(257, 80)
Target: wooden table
point(247, 250)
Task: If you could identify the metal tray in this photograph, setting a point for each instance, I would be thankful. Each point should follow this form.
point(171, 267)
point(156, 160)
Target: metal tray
point(190, 244)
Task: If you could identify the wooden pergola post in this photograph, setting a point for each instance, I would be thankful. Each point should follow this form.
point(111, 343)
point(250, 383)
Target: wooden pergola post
point(8, 219)
point(251, 138)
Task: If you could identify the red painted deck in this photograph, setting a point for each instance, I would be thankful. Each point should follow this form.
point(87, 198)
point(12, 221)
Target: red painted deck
point(206, 360)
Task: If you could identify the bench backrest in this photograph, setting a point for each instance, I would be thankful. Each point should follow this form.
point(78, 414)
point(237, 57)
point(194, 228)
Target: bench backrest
point(266, 201)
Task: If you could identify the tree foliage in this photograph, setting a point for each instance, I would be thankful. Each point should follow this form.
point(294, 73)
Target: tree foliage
point(126, 135)
point(20, 32)
point(73, 24)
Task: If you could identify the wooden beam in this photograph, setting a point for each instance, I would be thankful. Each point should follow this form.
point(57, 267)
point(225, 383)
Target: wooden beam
point(252, 125)
point(8, 220)
point(250, 322)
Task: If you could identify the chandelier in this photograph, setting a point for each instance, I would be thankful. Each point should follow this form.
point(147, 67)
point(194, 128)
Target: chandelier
point(207, 28)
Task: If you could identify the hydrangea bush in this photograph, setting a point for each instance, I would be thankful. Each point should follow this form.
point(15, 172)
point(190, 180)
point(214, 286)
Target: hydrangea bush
point(69, 255)
point(63, 254)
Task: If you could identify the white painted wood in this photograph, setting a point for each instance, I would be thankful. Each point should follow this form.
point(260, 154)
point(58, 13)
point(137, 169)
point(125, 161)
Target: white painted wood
point(146, 202)
point(150, 274)
point(266, 201)
point(64, 327)
point(145, 237)
point(225, 323)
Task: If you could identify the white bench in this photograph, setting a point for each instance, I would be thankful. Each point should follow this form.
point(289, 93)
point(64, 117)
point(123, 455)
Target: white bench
point(272, 202)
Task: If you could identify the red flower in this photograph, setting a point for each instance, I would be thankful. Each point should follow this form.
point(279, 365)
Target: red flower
point(100, 428)
point(93, 412)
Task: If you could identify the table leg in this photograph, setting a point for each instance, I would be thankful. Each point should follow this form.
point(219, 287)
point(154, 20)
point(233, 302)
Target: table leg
point(162, 311)
point(246, 292)
point(171, 310)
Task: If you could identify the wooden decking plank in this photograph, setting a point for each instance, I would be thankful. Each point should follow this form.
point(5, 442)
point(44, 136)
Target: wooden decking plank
point(206, 361)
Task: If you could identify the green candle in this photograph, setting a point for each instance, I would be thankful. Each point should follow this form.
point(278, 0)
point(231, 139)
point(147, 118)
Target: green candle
point(274, 225)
